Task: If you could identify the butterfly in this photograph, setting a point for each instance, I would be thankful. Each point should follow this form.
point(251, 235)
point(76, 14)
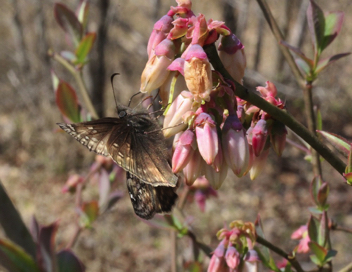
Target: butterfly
point(147, 199)
point(135, 142)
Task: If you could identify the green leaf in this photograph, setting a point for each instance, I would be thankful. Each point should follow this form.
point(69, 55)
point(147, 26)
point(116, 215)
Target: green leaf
point(12, 224)
point(15, 259)
point(333, 24)
point(322, 64)
point(267, 261)
point(319, 252)
point(68, 55)
point(313, 229)
point(337, 141)
point(82, 13)
point(314, 189)
point(316, 25)
point(91, 212)
point(68, 262)
point(304, 67)
point(331, 254)
point(55, 80)
point(84, 47)
point(68, 22)
point(67, 102)
point(264, 252)
point(308, 62)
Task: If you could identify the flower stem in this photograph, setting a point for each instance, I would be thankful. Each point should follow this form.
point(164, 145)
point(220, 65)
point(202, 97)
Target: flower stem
point(278, 114)
point(280, 252)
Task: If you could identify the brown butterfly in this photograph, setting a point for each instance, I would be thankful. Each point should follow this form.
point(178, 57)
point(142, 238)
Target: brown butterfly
point(135, 142)
point(147, 199)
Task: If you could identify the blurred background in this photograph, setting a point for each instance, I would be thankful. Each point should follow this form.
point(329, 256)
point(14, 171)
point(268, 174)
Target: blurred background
point(35, 160)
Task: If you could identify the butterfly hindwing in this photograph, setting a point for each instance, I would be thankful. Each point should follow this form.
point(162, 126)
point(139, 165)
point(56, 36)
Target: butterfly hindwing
point(147, 199)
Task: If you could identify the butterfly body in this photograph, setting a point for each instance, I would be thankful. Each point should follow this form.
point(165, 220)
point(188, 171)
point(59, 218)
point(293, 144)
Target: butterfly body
point(133, 140)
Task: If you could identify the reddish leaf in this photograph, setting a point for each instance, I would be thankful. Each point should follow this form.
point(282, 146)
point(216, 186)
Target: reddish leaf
point(82, 13)
point(314, 188)
point(14, 258)
point(68, 262)
point(323, 194)
point(322, 64)
point(324, 229)
point(316, 24)
point(66, 100)
point(333, 24)
point(68, 22)
point(46, 241)
point(113, 198)
point(84, 47)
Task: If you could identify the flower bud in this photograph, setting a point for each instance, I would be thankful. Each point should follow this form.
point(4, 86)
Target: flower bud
point(183, 151)
point(258, 164)
point(232, 257)
point(207, 137)
point(197, 73)
point(216, 178)
point(235, 145)
point(268, 90)
point(160, 31)
point(231, 53)
point(259, 136)
point(155, 71)
point(173, 118)
point(72, 183)
point(193, 169)
point(278, 137)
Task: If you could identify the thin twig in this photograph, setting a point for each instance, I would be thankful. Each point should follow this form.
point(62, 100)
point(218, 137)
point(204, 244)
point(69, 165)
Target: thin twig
point(279, 37)
point(173, 245)
point(347, 268)
point(78, 77)
point(311, 122)
point(280, 252)
point(341, 229)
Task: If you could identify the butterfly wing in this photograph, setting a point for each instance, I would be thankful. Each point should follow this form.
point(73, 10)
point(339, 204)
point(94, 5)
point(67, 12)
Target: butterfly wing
point(95, 134)
point(134, 142)
point(151, 156)
point(147, 199)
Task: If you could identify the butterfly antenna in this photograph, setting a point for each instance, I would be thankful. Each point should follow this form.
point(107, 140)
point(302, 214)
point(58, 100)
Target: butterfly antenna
point(129, 101)
point(164, 128)
point(145, 98)
point(153, 100)
point(112, 86)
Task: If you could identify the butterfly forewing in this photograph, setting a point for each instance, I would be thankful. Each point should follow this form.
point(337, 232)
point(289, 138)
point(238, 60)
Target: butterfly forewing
point(147, 199)
point(133, 141)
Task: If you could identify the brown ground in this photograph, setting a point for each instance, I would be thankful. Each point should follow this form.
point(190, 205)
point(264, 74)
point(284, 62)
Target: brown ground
point(35, 161)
